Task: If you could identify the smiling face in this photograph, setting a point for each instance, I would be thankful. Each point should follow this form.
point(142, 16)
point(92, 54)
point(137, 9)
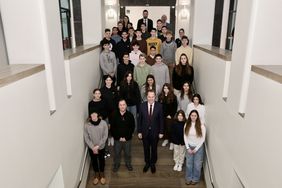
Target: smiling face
point(180, 117)
point(166, 90)
point(94, 116)
point(193, 116)
point(158, 59)
point(129, 78)
point(196, 100)
point(108, 82)
point(125, 58)
point(150, 81)
point(97, 95)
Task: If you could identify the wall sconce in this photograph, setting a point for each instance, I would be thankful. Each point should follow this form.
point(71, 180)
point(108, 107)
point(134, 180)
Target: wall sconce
point(184, 2)
point(184, 14)
point(111, 14)
point(110, 2)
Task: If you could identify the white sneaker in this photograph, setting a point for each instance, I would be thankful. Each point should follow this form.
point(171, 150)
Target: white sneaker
point(175, 167)
point(171, 146)
point(112, 141)
point(165, 142)
point(179, 168)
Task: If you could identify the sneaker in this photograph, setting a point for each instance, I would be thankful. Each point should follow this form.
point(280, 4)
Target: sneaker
point(112, 141)
point(95, 181)
point(171, 146)
point(103, 180)
point(175, 167)
point(165, 142)
point(179, 168)
point(107, 154)
point(188, 182)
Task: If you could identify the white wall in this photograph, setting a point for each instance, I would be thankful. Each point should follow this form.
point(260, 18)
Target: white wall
point(251, 145)
point(267, 33)
point(155, 13)
point(203, 15)
point(91, 21)
point(254, 21)
point(33, 149)
point(23, 31)
point(33, 143)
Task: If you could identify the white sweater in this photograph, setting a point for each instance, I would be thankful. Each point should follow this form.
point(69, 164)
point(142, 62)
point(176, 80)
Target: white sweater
point(201, 110)
point(192, 140)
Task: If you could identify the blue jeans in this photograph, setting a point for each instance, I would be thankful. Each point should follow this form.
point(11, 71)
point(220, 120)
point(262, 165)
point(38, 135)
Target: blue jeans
point(194, 163)
point(133, 110)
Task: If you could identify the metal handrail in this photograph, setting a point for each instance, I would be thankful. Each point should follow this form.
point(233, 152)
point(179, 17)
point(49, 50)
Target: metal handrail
point(83, 166)
point(208, 163)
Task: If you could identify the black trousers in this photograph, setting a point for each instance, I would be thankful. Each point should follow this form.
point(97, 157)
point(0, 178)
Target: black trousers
point(98, 160)
point(126, 147)
point(150, 145)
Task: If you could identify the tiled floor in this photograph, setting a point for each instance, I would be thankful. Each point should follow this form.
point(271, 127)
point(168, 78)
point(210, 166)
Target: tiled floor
point(164, 177)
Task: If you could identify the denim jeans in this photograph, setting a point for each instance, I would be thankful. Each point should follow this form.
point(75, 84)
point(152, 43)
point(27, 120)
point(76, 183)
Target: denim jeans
point(126, 147)
point(194, 163)
point(133, 110)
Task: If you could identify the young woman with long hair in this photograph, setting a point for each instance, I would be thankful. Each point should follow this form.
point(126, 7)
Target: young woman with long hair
point(178, 140)
point(129, 91)
point(198, 105)
point(126, 21)
point(184, 97)
point(182, 73)
point(150, 84)
point(194, 138)
point(169, 102)
point(110, 96)
point(98, 104)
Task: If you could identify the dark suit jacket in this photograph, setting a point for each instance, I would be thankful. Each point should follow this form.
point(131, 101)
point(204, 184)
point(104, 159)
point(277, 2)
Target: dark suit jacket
point(149, 26)
point(157, 120)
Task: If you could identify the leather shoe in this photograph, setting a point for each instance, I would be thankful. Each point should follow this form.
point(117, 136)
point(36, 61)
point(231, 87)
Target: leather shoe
point(116, 167)
point(153, 169)
point(146, 168)
point(129, 167)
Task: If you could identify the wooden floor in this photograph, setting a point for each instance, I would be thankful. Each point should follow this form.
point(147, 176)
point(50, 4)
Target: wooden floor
point(164, 177)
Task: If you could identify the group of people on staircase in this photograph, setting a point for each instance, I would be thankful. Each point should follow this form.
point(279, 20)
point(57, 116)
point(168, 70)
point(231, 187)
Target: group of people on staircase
point(147, 91)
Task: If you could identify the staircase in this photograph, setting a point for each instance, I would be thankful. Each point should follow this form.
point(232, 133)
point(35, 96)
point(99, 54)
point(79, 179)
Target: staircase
point(164, 177)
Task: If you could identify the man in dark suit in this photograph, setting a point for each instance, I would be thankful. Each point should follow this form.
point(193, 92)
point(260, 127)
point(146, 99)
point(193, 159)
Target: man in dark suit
point(150, 129)
point(148, 22)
